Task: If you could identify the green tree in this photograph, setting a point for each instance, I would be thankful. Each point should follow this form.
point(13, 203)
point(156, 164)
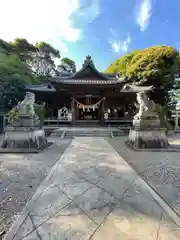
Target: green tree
point(67, 65)
point(48, 49)
point(22, 46)
point(157, 66)
point(14, 75)
point(42, 61)
point(40, 57)
point(5, 47)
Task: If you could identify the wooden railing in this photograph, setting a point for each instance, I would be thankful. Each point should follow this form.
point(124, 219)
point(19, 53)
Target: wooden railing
point(56, 121)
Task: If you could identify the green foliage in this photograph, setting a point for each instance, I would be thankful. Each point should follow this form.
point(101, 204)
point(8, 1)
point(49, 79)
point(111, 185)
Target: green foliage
point(14, 75)
point(39, 57)
point(5, 47)
point(47, 48)
point(12, 64)
point(40, 110)
point(21, 45)
point(157, 66)
point(43, 61)
point(120, 65)
point(162, 112)
point(13, 115)
point(152, 62)
point(22, 63)
point(67, 65)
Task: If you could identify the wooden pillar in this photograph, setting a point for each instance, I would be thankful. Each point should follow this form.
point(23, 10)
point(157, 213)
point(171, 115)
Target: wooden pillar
point(73, 111)
point(77, 113)
point(102, 112)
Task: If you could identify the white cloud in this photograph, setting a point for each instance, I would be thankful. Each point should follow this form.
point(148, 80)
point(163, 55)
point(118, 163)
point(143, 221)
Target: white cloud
point(115, 45)
point(125, 44)
point(89, 9)
point(118, 45)
point(51, 21)
point(144, 14)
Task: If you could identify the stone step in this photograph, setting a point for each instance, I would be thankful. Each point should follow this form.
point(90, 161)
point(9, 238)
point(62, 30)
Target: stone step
point(57, 133)
point(89, 133)
point(70, 134)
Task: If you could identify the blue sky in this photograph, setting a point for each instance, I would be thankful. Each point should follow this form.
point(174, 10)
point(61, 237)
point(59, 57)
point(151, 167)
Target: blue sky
point(104, 29)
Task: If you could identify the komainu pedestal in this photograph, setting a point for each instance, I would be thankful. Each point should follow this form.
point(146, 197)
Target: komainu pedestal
point(147, 134)
point(24, 138)
point(25, 131)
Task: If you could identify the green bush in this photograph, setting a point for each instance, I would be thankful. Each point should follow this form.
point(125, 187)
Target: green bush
point(40, 111)
point(162, 113)
point(13, 115)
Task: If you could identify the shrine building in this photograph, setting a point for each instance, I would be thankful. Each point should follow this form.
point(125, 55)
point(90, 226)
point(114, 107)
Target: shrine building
point(85, 97)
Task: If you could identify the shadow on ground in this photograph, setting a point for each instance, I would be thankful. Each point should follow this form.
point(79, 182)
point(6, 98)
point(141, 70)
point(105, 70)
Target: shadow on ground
point(20, 175)
point(93, 194)
point(160, 169)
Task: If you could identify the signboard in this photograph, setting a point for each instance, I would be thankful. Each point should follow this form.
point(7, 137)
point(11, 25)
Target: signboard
point(105, 116)
point(63, 114)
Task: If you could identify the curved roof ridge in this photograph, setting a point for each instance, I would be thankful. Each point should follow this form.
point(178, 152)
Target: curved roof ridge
point(88, 62)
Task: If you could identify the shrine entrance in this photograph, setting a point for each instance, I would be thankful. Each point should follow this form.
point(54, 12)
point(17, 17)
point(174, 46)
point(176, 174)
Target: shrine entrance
point(88, 110)
point(88, 114)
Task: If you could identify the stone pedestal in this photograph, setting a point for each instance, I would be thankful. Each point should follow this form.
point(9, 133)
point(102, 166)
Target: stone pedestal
point(24, 133)
point(26, 121)
point(152, 122)
point(147, 134)
point(24, 138)
point(148, 138)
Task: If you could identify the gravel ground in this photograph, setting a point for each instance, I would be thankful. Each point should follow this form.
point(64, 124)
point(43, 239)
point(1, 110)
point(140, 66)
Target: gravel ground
point(20, 175)
point(161, 170)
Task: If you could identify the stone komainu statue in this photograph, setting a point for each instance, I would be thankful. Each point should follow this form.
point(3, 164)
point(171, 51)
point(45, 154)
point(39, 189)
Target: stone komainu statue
point(26, 107)
point(146, 106)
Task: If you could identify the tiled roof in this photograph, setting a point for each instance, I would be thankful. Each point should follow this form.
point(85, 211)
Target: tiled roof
point(89, 68)
point(41, 87)
point(85, 81)
point(70, 75)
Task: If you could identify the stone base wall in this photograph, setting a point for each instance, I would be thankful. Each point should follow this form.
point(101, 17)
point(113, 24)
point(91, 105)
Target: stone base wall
point(34, 139)
point(148, 138)
point(146, 123)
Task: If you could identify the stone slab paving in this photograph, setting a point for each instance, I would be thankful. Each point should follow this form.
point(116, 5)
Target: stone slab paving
point(92, 193)
point(160, 169)
point(20, 175)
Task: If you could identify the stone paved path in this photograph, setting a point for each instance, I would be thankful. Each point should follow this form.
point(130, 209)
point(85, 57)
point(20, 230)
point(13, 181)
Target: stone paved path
point(21, 175)
point(92, 193)
point(160, 169)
